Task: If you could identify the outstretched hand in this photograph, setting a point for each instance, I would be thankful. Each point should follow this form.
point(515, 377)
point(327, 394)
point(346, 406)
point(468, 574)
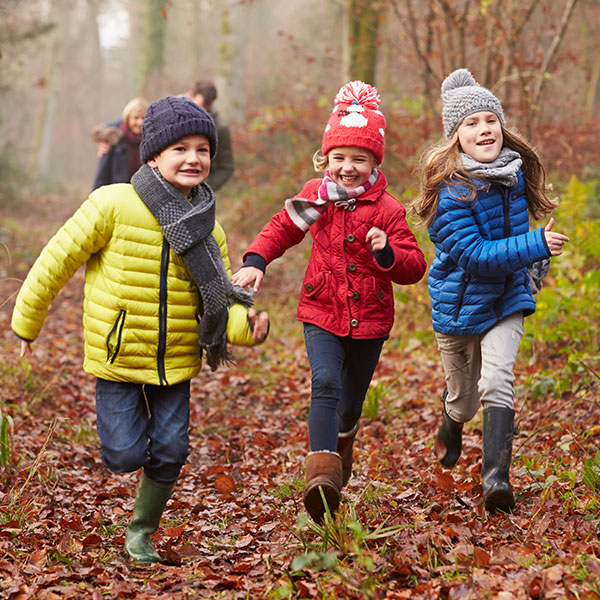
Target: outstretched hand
point(26, 348)
point(554, 240)
point(249, 276)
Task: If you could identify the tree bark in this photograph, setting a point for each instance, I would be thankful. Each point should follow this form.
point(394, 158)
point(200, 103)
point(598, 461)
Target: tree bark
point(152, 58)
point(41, 148)
point(364, 18)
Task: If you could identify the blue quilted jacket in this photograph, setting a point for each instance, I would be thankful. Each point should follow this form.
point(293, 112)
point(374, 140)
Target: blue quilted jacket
point(482, 250)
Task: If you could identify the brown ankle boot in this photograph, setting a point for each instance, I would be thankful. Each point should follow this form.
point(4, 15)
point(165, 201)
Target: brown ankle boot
point(323, 472)
point(344, 448)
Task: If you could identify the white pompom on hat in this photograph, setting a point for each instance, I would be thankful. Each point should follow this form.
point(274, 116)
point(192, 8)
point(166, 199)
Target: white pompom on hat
point(356, 120)
point(462, 96)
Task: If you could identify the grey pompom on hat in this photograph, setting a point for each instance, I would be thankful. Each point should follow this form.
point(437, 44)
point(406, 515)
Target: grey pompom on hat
point(172, 118)
point(462, 96)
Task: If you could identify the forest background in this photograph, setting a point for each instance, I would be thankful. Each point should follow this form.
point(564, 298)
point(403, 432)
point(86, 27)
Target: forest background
point(407, 529)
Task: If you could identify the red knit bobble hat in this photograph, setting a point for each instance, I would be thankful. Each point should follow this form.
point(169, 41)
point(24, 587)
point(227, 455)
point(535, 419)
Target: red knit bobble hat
point(355, 120)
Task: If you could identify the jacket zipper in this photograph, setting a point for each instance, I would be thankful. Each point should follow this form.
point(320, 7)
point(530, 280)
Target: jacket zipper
point(506, 208)
point(162, 314)
point(463, 289)
point(118, 327)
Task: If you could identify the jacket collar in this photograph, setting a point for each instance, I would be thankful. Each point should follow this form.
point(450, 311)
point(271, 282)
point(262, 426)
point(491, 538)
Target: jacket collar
point(374, 192)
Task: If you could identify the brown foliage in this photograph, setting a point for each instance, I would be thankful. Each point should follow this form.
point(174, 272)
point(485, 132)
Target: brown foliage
point(230, 528)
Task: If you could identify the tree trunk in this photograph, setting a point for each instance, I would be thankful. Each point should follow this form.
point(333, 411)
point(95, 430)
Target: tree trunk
point(152, 58)
point(364, 19)
point(41, 148)
point(237, 21)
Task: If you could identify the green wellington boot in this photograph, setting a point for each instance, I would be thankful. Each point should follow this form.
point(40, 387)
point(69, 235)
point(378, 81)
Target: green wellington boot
point(150, 502)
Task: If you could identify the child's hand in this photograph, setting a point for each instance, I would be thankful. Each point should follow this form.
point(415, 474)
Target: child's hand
point(555, 240)
point(103, 148)
point(259, 323)
point(249, 276)
point(376, 238)
point(26, 348)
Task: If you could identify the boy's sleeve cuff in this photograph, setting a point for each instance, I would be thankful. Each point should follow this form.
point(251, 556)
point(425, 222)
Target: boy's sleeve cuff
point(22, 338)
point(255, 260)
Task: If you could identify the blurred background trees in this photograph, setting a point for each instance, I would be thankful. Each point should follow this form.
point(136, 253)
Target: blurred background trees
point(70, 64)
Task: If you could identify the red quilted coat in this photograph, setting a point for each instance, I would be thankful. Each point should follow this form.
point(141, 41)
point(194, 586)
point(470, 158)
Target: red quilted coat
point(344, 290)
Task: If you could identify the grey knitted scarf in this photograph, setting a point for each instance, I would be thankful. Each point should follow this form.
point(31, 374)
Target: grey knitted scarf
point(187, 225)
point(503, 169)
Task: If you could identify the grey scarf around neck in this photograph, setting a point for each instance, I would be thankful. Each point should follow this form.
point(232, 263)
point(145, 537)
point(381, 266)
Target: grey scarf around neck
point(187, 225)
point(503, 169)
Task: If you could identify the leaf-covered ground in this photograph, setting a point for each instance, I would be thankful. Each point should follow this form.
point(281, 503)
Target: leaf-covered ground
point(235, 527)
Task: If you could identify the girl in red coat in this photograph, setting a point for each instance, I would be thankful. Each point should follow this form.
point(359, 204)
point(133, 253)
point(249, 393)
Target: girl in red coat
point(361, 244)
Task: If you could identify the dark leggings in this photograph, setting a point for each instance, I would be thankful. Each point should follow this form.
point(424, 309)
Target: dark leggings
point(342, 368)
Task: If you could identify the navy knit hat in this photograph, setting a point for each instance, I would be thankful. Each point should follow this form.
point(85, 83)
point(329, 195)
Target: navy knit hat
point(172, 118)
point(462, 96)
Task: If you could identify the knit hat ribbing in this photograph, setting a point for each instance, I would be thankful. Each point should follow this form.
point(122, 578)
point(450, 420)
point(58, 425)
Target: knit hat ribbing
point(356, 120)
point(172, 118)
point(462, 96)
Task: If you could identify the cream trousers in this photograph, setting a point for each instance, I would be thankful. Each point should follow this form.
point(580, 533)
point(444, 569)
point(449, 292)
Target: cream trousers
point(479, 368)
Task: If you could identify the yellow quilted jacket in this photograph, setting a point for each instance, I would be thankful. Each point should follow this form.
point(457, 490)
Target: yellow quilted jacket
point(141, 305)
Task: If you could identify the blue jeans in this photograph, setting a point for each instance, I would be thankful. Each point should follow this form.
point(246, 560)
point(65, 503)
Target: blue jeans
point(342, 368)
point(143, 426)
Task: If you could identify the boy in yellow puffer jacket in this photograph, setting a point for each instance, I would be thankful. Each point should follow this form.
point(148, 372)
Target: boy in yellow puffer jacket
point(156, 260)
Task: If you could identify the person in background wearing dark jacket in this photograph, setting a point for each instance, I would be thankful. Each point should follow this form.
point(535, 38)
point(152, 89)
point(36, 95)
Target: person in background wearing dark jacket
point(119, 149)
point(204, 93)
point(479, 186)
point(361, 244)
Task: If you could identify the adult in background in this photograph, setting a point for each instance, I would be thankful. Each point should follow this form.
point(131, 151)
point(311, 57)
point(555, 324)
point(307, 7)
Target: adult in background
point(119, 145)
point(204, 93)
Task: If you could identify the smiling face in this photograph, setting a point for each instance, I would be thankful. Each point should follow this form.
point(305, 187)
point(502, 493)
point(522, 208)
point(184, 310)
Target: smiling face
point(184, 164)
point(350, 166)
point(136, 120)
point(480, 136)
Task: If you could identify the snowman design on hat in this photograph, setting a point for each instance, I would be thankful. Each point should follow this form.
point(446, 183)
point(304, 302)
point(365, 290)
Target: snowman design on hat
point(351, 116)
point(356, 120)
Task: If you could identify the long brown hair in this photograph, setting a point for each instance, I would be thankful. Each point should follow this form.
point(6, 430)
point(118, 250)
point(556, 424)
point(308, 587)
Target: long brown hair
point(441, 164)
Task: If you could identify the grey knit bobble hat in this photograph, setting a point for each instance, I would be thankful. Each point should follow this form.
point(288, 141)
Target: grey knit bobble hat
point(172, 118)
point(462, 96)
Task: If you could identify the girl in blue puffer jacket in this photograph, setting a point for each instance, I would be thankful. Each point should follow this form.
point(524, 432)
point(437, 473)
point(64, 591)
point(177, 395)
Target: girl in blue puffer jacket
point(479, 186)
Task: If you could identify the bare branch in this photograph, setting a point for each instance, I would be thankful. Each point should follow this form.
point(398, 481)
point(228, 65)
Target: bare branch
point(548, 58)
point(423, 54)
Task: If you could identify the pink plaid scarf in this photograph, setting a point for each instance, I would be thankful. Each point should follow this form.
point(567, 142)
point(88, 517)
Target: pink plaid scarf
point(304, 212)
